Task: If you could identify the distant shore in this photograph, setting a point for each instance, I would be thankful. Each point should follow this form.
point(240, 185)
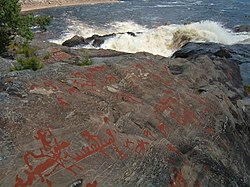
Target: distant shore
point(60, 3)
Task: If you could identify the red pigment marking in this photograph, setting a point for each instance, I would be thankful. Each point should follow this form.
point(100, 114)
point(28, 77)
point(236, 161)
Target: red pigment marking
point(120, 152)
point(148, 133)
point(141, 146)
point(77, 75)
point(168, 92)
point(210, 130)
point(127, 143)
point(109, 79)
point(98, 146)
point(61, 101)
point(96, 69)
point(89, 76)
point(173, 149)
point(127, 97)
point(106, 119)
point(189, 117)
point(61, 56)
point(41, 135)
point(162, 128)
point(72, 90)
point(52, 157)
point(179, 180)
point(94, 184)
point(50, 84)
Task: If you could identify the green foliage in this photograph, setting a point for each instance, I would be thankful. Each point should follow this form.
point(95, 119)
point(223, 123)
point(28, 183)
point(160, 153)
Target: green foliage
point(28, 59)
point(86, 62)
point(28, 63)
point(247, 89)
point(13, 24)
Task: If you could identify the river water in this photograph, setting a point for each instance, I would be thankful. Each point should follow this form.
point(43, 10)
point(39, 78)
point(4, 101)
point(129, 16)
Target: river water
point(160, 25)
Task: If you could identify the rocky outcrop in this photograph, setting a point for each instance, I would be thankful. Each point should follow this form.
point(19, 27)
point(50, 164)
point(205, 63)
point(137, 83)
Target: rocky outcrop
point(95, 40)
point(242, 28)
point(127, 120)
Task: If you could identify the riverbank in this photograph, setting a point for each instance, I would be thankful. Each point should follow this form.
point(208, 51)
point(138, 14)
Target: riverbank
point(60, 3)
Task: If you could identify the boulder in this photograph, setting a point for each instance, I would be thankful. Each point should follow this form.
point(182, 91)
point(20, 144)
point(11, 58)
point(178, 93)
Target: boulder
point(242, 28)
point(74, 41)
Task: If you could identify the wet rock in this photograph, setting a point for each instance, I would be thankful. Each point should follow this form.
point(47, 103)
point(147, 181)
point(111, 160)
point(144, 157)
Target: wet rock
point(74, 41)
point(242, 28)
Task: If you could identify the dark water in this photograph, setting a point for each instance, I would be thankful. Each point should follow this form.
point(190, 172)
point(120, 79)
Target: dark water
point(153, 13)
point(87, 19)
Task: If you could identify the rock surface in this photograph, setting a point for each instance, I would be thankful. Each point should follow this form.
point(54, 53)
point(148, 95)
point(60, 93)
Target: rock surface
point(127, 120)
point(242, 28)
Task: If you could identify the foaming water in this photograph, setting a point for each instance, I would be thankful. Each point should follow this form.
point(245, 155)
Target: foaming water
point(163, 40)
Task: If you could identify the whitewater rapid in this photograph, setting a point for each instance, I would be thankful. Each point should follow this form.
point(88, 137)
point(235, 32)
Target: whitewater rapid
point(163, 40)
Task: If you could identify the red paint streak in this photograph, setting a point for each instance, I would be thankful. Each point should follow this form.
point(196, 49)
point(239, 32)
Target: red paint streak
point(162, 128)
point(189, 117)
point(96, 69)
point(89, 76)
point(50, 84)
point(127, 97)
point(148, 133)
point(61, 101)
point(168, 92)
point(42, 135)
point(210, 130)
point(109, 79)
point(141, 146)
point(127, 143)
point(77, 75)
point(72, 90)
point(120, 152)
point(94, 184)
point(90, 137)
point(179, 180)
point(173, 149)
point(106, 119)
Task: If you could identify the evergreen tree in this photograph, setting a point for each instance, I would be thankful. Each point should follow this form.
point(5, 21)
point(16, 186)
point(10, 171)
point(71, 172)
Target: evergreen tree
point(13, 24)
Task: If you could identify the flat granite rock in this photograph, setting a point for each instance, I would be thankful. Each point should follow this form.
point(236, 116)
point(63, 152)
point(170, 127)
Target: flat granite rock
point(127, 120)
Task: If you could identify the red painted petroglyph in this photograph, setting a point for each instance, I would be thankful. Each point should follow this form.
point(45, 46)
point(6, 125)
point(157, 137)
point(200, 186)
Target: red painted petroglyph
point(162, 128)
point(127, 97)
point(148, 133)
point(61, 101)
point(106, 119)
point(50, 84)
point(110, 79)
point(94, 184)
point(179, 180)
point(61, 56)
point(210, 131)
point(72, 90)
point(127, 143)
point(51, 157)
point(173, 149)
point(141, 147)
point(96, 69)
point(157, 78)
point(77, 74)
point(98, 146)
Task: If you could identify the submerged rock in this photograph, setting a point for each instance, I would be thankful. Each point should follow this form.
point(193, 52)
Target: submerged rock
point(127, 120)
